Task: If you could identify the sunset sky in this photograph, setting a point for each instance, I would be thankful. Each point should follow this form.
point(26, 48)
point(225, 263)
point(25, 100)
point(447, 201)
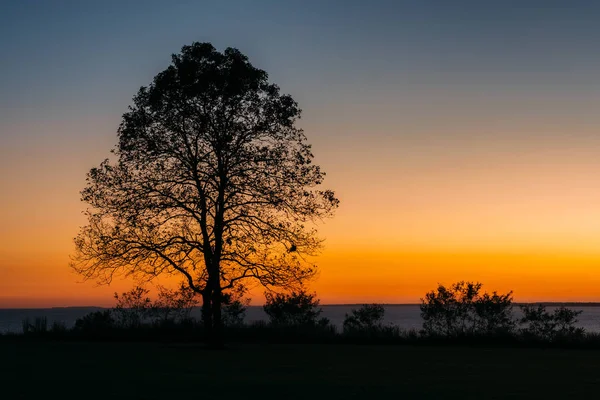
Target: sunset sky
point(462, 137)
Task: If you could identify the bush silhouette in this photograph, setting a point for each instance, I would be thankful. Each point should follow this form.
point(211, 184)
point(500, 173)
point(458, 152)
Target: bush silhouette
point(234, 308)
point(173, 305)
point(461, 309)
point(541, 324)
point(134, 308)
point(296, 308)
point(369, 317)
point(96, 322)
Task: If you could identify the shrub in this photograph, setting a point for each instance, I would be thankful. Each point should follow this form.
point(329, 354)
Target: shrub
point(369, 317)
point(296, 308)
point(234, 313)
point(541, 324)
point(494, 314)
point(98, 321)
point(461, 310)
point(234, 307)
point(133, 308)
point(173, 305)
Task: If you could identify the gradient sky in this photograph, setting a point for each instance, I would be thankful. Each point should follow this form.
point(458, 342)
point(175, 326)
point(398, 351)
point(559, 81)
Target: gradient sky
point(462, 137)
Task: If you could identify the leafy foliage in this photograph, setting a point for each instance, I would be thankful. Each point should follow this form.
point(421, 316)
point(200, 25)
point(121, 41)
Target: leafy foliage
point(212, 182)
point(462, 310)
point(174, 305)
point(367, 318)
point(296, 308)
point(294, 318)
point(235, 306)
point(95, 322)
point(134, 307)
point(540, 323)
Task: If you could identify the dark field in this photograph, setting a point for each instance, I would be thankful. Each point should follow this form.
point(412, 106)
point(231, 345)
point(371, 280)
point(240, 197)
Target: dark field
point(66, 370)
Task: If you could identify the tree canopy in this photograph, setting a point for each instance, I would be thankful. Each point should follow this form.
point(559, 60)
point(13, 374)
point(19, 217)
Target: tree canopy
point(211, 180)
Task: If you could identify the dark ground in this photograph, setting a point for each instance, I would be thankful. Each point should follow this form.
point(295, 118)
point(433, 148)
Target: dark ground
point(69, 370)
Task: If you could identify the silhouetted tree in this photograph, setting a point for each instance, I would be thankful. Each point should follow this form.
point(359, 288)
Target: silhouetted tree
point(368, 317)
point(174, 305)
point(235, 306)
point(234, 312)
point(96, 322)
point(134, 307)
point(296, 308)
point(212, 181)
point(541, 324)
point(494, 314)
point(462, 310)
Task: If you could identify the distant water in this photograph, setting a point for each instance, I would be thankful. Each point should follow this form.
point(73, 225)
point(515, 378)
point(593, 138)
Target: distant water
point(406, 316)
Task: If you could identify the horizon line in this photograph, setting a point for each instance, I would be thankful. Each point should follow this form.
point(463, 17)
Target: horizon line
point(549, 303)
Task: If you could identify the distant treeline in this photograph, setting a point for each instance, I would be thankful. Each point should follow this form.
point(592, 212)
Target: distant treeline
point(459, 313)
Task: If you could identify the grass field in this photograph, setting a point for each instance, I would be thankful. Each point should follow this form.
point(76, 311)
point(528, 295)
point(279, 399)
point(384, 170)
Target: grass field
point(69, 370)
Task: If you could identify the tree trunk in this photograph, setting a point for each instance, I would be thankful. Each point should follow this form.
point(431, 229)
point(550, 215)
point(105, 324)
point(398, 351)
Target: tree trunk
point(207, 317)
point(211, 309)
point(217, 339)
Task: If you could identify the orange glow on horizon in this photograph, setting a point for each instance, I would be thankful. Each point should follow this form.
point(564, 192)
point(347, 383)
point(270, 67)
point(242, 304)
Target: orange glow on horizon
point(515, 207)
point(527, 228)
point(348, 275)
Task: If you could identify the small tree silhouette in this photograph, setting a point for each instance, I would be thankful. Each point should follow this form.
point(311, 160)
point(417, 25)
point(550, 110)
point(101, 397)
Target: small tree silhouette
point(367, 318)
point(174, 305)
point(97, 322)
point(133, 308)
point(541, 324)
point(296, 308)
point(461, 309)
point(235, 306)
